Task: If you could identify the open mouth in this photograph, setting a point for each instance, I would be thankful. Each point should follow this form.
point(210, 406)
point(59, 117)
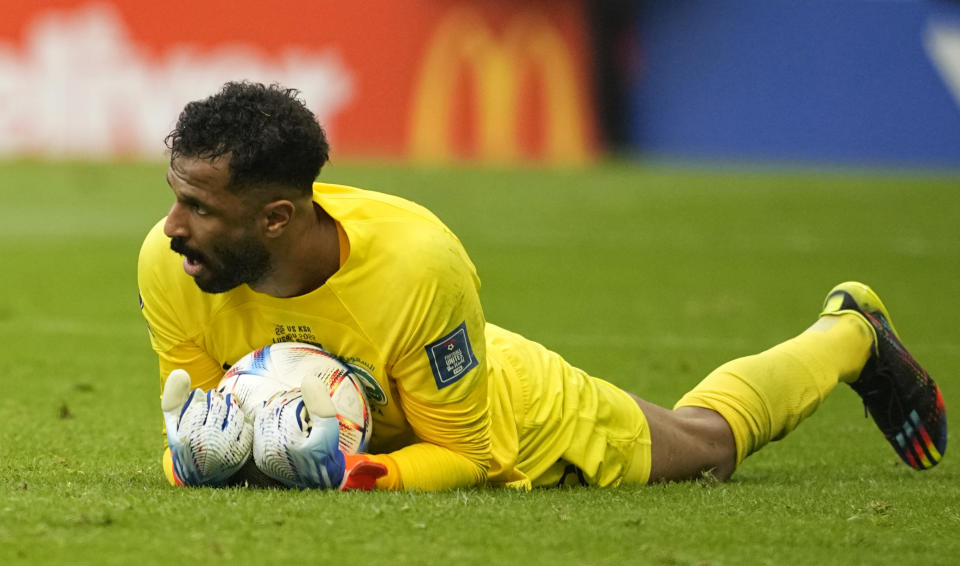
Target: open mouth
point(193, 258)
point(193, 261)
point(192, 265)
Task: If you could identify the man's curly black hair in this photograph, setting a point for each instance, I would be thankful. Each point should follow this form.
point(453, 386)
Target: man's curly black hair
point(272, 138)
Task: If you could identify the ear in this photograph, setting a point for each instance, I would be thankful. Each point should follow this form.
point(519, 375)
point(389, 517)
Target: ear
point(277, 215)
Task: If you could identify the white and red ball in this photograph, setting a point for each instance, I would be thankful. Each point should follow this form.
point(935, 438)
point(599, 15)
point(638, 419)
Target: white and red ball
point(280, 368)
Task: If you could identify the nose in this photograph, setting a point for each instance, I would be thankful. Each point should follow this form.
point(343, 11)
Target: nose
point(175, 224)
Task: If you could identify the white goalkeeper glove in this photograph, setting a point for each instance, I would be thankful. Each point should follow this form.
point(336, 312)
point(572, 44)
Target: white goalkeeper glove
point(296, 441)
point(209, 438)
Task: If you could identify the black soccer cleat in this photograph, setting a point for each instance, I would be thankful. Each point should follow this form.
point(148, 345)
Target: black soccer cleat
point(901, 397)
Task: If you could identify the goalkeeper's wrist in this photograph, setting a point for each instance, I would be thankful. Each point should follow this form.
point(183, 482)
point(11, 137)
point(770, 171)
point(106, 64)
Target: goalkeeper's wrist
point(361, 472)
point(392, 480)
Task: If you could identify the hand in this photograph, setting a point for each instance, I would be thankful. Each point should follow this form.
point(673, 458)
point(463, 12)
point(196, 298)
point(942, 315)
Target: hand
point(208, 436)
point(297, 442)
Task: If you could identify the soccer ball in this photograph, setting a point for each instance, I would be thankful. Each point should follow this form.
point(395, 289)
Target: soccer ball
point(280, 368)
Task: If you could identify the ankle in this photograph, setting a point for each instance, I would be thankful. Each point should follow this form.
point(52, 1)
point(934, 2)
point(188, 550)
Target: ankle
point(853, 339)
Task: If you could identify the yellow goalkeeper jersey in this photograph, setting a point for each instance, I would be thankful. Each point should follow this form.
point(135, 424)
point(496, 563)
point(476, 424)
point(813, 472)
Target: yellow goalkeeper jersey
point(455, 401)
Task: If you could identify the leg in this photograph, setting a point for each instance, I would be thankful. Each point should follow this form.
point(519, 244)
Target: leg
point(688, 442)
point(748, 402)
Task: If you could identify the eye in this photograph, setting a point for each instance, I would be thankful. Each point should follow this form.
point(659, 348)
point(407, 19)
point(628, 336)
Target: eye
point(199, 209)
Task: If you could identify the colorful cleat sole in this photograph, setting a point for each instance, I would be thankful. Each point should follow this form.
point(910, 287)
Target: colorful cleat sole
point(899, 394)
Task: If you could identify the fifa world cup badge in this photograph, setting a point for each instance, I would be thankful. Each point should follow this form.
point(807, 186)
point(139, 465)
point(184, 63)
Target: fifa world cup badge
point(451, 357)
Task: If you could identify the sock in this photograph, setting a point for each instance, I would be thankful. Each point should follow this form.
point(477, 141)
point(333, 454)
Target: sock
point(765, 396)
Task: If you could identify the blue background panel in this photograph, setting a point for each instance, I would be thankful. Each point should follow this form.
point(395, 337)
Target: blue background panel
point(834, 82)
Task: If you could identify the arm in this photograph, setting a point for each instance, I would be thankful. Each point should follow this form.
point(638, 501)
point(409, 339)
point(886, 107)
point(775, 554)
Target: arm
point(441, 375)
point(174, 317)
point(455, 446)
point(300, 448)
point(169, 325)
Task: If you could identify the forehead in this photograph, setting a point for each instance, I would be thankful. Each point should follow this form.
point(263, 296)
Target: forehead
point(192, 174)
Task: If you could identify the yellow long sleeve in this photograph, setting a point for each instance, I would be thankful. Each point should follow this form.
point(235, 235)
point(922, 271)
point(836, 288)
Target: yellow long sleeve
point(427, 467)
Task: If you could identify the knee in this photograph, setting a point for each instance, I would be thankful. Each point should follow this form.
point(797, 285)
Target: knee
point(710, 440)
point(688, 442)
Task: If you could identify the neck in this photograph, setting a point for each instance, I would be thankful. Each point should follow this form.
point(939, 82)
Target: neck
point(304, 257)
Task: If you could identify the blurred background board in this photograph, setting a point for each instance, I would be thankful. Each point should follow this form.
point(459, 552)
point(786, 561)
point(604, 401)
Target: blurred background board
point(838, 83)
point(429, 79)
point(861, 82)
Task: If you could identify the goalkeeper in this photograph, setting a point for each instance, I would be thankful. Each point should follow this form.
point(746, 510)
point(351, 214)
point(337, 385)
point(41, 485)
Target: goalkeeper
point(253, 251)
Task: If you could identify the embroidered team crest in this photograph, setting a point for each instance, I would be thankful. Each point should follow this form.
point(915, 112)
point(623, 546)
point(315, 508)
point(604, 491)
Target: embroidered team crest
point(371, 387)
point(451, 357)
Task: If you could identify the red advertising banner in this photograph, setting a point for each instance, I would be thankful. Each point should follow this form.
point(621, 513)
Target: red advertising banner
point(423, 79)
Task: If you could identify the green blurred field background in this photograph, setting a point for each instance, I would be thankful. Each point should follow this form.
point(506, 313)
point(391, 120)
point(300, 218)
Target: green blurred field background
point(646, 276)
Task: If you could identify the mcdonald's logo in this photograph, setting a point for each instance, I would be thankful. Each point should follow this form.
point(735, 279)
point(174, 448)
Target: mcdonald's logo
point(499, 72)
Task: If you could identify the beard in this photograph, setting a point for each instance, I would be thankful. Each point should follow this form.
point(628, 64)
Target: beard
point(228, 265)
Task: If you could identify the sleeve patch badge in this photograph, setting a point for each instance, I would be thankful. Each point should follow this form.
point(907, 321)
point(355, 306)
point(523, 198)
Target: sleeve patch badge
point(451, 357)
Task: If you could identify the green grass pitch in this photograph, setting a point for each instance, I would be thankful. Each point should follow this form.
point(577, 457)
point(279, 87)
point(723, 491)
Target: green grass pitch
point(646, 276)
